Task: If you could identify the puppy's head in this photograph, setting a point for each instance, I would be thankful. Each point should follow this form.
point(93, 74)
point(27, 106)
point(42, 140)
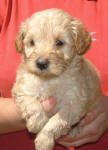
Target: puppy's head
point(50, 40)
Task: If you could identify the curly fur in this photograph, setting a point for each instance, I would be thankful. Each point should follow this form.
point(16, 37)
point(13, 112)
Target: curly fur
point(70, 78)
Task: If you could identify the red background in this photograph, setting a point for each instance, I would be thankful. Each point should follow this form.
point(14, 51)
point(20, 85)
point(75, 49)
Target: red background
point(12, 13)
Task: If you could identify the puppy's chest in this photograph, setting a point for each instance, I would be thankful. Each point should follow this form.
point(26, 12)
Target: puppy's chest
point(60, 88)
point(66, 89)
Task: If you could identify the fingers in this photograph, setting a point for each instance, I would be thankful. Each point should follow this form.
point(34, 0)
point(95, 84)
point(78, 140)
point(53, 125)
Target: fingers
point(49, 104)
point(88, 118)
point(85, 140)
point(93, 126)
point(90, 133)
point(79, 142)
point(90, 129)
point(91, 116)
point(70, 139)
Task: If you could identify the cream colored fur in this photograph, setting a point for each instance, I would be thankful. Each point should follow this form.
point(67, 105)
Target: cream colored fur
point(70, 78)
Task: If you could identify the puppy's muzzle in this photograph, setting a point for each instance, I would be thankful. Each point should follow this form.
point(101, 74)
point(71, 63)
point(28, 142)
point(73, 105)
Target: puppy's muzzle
point(42, 64)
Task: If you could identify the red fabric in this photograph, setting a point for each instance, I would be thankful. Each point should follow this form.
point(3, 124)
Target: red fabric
point(12, 13)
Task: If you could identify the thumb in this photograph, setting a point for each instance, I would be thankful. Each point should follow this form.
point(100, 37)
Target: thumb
point(49, 104)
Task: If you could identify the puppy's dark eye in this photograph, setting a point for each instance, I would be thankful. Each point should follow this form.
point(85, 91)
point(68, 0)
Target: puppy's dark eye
point(59, 43)
point(32, 43)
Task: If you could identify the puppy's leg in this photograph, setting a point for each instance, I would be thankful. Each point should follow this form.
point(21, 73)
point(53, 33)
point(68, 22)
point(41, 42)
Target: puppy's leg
point(32, 112)
point(57, 126)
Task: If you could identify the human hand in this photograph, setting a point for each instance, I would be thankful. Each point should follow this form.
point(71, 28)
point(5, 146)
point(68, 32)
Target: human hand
point(93, 126)
point(49, 104)
point(10, 117)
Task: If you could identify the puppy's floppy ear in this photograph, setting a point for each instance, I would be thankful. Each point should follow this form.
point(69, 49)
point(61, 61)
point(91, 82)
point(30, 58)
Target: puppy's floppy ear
point(19, 38)
point(81, 37)
point(19, 42)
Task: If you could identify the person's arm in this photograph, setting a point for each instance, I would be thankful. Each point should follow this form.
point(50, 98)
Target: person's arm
point(94, 125)
point(10, 117)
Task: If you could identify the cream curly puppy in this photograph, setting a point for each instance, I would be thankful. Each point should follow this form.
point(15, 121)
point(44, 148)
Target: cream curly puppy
point(52, 43)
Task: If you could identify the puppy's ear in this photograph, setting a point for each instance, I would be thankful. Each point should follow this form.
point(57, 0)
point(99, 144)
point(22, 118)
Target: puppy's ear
point(19, 38)
point(19, 42)
point(81, 37)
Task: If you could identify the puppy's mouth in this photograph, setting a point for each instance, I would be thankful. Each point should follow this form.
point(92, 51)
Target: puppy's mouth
point(45, 74)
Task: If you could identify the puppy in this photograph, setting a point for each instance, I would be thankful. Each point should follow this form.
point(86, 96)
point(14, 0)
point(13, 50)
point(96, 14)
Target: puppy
point(53, 44)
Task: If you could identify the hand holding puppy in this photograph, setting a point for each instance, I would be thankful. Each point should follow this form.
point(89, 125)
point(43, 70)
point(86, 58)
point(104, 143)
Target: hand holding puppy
point(94, 125)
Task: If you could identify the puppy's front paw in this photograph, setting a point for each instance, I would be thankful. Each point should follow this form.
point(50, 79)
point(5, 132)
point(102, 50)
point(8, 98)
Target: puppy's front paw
point(44, 141)
point(35, 117)
point(31, 124)
point(35, 124)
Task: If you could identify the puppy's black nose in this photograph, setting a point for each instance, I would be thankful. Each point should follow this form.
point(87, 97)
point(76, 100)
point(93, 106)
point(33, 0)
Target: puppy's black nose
point(42, 63)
